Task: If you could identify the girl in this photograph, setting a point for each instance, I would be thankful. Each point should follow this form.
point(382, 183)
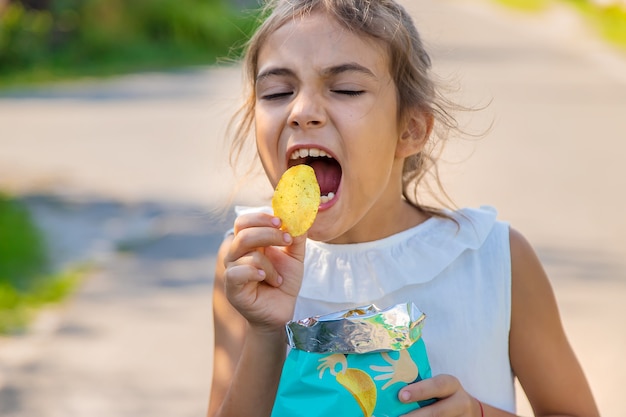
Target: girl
point(344, 86)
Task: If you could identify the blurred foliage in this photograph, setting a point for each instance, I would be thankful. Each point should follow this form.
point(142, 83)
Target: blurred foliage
point(22, 250)
point(64, 38)
point(527, 5)
point(18, 307)
point(609, 19)
point(25, 281)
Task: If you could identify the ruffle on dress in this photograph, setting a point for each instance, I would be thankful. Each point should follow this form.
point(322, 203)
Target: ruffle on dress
point(362, 272)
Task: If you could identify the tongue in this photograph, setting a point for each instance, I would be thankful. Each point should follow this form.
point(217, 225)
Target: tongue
point(328, 173)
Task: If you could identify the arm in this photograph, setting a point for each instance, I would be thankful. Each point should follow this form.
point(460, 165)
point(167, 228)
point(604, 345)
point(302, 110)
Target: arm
point(257, 278)
point(229, 334)
point(540, 354)
point(237, 356)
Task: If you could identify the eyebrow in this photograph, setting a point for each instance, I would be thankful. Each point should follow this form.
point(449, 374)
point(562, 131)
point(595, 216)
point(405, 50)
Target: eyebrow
point(274, 72)
point(348, 67)
point(327, 72)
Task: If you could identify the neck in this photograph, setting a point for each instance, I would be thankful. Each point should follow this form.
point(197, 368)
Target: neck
point(396, 218)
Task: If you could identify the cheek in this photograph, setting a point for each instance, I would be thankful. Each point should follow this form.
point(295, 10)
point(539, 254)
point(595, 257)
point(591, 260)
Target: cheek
point(267, 122)
point(266, 139)
point(263, 131)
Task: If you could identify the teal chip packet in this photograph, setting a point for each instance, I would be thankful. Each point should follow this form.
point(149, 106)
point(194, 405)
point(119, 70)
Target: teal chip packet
point(353, 363)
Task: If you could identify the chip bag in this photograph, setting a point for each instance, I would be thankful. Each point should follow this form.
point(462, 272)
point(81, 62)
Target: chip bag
point(353, 363)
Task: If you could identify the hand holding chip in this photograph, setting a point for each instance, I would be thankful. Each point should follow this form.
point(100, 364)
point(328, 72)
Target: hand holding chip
point(264, 263)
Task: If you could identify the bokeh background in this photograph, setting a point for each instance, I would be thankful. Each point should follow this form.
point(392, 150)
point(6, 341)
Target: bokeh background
point(115, 187)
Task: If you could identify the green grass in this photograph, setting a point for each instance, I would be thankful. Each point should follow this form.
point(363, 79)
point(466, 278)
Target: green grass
point(19, 307)
point(22, 250)
point(26, 283)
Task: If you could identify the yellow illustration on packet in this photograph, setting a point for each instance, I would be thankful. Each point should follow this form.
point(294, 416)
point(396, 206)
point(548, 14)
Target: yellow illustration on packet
point(353, 363)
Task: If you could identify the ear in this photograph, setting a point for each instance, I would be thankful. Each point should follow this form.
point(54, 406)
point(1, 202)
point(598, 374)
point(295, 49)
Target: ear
point(415, 133)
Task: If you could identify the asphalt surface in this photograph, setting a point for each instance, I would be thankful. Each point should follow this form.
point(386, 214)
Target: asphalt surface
point(130, 174)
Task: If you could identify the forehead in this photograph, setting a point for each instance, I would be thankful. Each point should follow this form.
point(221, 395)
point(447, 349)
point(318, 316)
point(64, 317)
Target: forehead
point(318, 41)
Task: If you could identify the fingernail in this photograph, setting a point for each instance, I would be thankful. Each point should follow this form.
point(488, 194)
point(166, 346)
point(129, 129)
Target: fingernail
point(261, 273)
point(279, 280)
point(287, 238)
point(276, 221)
point(404, 396)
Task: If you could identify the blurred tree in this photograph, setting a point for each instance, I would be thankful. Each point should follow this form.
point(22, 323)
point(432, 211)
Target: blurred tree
point(50, 38)
point(34, 4)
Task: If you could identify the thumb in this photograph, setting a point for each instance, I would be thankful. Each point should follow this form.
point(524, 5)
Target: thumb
point(297, 248)
point(291, 266)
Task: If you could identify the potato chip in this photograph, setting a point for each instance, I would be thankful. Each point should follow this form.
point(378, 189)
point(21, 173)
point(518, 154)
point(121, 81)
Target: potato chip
point(297, 199)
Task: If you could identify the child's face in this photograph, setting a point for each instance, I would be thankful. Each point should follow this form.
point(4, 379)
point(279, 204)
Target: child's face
point(322, 88)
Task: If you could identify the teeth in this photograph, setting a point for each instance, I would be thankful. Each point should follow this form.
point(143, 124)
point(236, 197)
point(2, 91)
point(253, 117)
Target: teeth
point(327, 198)
point(306, 152)
point(315, 153)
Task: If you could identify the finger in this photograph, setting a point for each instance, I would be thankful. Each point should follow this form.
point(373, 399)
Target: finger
point(251, 239)
point(297, 247)
point(249, 220)
point(452, 406)
point(240, 284)
point(266, 268)
point(239, 275)
point(440, 386)
point(261, 269)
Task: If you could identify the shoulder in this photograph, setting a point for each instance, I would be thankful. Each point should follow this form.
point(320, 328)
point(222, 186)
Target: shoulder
point(521, 249)
point(531, 291)
point(529, 279)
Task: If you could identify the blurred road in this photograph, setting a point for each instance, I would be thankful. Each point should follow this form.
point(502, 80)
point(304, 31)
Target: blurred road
point(128, 173)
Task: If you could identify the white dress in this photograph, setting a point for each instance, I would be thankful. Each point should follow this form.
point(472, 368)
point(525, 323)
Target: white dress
point(458, 275)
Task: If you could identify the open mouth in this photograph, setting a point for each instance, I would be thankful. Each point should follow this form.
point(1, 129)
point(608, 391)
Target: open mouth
point(327, 170)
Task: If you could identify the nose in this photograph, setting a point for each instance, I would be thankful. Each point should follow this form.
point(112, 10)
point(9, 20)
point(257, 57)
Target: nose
point(307, 111)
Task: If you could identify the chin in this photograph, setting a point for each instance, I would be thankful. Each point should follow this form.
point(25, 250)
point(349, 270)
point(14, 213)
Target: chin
point(320, 233)
point(313, 235)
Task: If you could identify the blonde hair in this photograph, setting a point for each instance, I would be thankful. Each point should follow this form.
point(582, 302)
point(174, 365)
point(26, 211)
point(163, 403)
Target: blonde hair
point(389, 23)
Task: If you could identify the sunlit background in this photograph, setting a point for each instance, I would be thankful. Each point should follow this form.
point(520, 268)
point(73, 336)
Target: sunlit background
point(115, 187)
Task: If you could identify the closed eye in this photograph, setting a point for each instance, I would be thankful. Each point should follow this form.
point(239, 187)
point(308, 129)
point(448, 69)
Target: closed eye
point(349, 92)
point(276, 96)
